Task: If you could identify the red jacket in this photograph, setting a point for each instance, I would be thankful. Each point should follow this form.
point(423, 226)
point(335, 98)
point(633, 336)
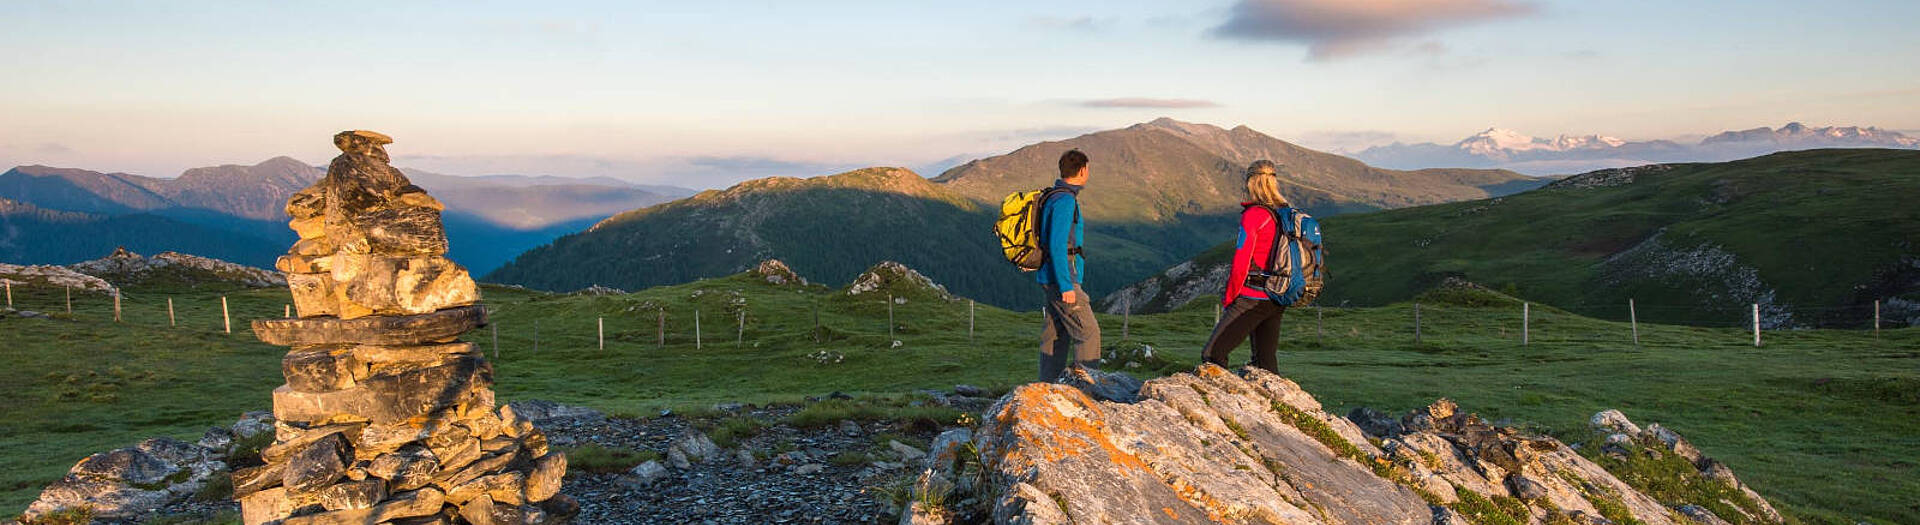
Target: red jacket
point(1257, 228)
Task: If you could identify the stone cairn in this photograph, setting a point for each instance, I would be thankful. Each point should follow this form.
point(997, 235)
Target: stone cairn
point(385, 416)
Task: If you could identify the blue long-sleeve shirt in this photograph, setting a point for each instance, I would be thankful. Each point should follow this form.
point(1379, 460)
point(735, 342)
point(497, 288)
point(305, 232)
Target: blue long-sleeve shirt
point(1061, 213)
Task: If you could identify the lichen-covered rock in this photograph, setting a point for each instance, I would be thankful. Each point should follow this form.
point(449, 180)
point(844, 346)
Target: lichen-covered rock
point(132, 481)
point(1218, 447)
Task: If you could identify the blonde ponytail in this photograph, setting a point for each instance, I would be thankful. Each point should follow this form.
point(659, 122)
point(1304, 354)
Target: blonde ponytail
point(1263, 184)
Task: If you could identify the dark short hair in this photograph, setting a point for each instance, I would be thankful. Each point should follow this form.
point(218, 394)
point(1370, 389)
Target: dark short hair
point(1071, 162)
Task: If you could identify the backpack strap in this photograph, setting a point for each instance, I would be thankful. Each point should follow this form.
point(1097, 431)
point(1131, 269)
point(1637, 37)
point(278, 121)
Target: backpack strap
point(1073, 243)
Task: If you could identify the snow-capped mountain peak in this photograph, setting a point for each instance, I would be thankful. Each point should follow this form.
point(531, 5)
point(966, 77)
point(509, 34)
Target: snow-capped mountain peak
point(1509, 149)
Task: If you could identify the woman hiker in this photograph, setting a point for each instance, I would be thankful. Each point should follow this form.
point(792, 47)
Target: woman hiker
point(1247, 310)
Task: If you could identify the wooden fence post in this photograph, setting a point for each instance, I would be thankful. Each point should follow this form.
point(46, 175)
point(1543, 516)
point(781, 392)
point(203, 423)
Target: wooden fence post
point(1416, 323)
point(1319, 326)
point(601, 324)
point(1633, 318)
point(696, 329)
point(1876, 318)
point(740, 335)
point(1756, 325)
point(890, 318)
point(116, 305)
point(1526, 323)
point(70, 301)
point(226, 318)
point(9, 294)
point(496, 337)
point(660, 326)
point(169, 312)
point(1216, 314)
point(1126, 317)
point(816, 322)
point(970, 318)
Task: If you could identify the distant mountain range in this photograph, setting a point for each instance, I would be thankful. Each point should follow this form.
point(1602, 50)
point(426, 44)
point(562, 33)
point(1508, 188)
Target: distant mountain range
point(1507, 149)
point(1161, 191)
point(1813, 237)
point(62, 215)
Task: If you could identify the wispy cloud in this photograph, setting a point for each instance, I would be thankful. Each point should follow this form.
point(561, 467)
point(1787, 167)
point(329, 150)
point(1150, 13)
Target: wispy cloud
point(1154, 103)
point(1334, 29)
point(1345, 141)
point(1076, 23)
point(698, 171)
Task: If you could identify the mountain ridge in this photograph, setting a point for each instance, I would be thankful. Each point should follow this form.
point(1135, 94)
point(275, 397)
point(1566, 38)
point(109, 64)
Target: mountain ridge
point(1156, 197)
point(502, 215)
point(1503, 148)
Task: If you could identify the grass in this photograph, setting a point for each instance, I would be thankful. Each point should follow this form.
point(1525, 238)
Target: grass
point(1848, 213)
point(1822, 422)
point(1670, 477)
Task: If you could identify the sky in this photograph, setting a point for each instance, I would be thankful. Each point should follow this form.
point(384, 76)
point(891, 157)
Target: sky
point(705, 94)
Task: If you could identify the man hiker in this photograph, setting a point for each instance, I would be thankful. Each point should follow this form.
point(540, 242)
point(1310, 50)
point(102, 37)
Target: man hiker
point(1071, 335)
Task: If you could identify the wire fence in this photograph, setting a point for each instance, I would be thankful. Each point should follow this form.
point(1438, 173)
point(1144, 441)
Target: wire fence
point(647, 323)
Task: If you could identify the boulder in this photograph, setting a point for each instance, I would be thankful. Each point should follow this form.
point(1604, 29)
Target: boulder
point(1214, 446)
point(130, 482)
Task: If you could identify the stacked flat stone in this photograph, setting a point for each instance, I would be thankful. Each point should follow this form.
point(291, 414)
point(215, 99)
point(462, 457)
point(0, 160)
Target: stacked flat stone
point(385, 416)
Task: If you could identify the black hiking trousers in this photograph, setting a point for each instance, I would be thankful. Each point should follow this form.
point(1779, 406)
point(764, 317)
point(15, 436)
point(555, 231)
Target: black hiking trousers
point(1247, 316)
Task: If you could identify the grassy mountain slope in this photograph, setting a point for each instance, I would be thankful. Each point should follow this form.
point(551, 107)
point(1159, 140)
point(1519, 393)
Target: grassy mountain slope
point(1161, 191)
point(1157, 171)
point(31, 235)
point(827, 229)
point(501, 216)
point(1817, 420)
point(1812, 236)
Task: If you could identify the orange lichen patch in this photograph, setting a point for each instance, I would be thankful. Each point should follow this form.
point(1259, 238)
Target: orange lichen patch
point(1040, 420)
point(1170, 512)
point(1212, 371)
point(1215, 510)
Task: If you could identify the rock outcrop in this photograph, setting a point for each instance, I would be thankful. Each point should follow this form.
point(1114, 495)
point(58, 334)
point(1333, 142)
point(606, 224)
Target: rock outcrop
point(897, 279)
point(776, 272)
point(1218, 447)
point(135, 481)
point(385, 415)
point(126, 267)
point(53, 276)
point(131, 482)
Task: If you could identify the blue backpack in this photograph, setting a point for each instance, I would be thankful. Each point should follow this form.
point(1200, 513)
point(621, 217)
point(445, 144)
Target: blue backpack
point(1296, 269)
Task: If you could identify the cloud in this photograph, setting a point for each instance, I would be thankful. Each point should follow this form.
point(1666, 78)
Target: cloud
point(1081, 23)
point(1345, 141)
point(757, 164)
point(1153, 103)
point(1043, 133)
point(693, 171)
point(1334, 29)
